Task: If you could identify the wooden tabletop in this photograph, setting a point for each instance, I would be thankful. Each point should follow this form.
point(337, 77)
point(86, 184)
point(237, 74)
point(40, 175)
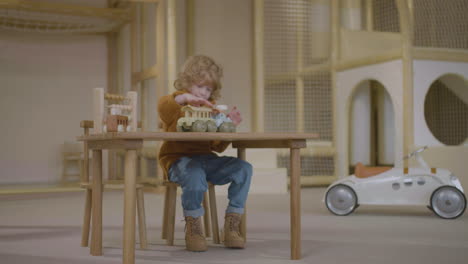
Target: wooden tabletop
point(199, 136)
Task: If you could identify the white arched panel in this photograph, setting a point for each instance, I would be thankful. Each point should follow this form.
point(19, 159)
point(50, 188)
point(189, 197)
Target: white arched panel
point(425, 73)
point(389, 74)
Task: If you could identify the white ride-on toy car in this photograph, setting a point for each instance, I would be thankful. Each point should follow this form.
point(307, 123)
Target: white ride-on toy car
point(436, 188)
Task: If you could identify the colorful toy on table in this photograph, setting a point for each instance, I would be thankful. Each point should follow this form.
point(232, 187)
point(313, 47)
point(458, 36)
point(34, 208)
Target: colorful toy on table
point(117, 116)
point(438, 189)
point(205, 119)
point(116, 121)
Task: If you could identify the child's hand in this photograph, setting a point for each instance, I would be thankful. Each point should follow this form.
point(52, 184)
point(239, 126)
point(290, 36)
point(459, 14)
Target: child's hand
point(235, 116)
point(192, 100)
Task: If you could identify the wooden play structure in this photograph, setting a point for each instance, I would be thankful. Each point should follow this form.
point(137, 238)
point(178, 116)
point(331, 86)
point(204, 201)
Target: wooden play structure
point(313, 58)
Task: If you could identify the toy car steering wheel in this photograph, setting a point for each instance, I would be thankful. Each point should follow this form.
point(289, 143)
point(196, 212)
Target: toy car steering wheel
point(415, 152)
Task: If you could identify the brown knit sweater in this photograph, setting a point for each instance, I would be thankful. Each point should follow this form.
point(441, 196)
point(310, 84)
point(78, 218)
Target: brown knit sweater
point(169, 112)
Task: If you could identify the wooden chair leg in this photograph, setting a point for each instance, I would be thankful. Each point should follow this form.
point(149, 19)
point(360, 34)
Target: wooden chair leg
point(214, 214)
point(171, 205)
point(81, 165)
point(206, 217)
point(141, 218)
point(243, 228)
point(86, 219)
point(165, 214)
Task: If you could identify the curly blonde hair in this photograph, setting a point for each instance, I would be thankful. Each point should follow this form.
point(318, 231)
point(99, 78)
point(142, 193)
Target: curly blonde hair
point(200, 69)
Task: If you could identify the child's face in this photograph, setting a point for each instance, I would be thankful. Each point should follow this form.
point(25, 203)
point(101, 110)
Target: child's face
point(201, 90)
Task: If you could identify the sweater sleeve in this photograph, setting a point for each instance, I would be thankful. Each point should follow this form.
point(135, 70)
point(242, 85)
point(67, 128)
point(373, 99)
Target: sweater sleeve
point(168, 108)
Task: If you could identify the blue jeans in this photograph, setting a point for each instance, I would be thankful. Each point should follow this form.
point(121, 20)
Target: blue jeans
point(193, 174)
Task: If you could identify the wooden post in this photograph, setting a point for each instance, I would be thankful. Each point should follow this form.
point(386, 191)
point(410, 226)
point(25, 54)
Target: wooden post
point(334, 57)
point(96, 236)
point(134, 44)
point(258, 100)
point(165, 214)
point(369, 16)
point(299, 77)
point(86, 219)
point(295, 202)
point(141, 218)
point(207, 215)
point(85, 179)
point(243, 228)
point(112, 65)
point(406, 27)
point(143, 66)
point(171, 204)
point(98, 109)
point(171, 42)
point(214, 211)
point(129, 207)
point(134, 117)
point(190, 27)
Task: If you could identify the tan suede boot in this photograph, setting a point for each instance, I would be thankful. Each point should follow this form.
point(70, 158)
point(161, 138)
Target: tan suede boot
point(194, 238)
point(232, 235)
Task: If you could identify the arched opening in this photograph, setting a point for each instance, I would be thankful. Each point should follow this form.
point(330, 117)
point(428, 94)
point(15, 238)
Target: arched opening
point(371, 126)
point(446, 109)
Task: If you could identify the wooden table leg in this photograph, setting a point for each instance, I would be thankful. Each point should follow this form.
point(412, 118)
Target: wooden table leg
point(243, 228)
point(96, 235)
point(295, 185)
point(129, 207)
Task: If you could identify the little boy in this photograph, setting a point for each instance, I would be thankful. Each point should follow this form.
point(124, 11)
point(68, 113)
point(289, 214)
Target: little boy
point(193, 164)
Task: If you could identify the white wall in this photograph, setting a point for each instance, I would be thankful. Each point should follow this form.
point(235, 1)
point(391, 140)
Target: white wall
point(46, 90)
point(223, 31)
point(389, 74)
point(386, 131)
point(360, 125)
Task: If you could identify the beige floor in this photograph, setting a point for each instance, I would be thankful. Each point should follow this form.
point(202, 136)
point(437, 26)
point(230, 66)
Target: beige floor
point(45, 228)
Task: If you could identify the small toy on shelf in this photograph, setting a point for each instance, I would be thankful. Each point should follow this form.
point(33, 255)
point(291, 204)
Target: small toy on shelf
point(438, 189)
point(205, 119)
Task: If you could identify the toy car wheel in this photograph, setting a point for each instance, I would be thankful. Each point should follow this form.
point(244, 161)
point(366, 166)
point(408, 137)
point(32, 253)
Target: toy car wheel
point(211, 126)
point(199, 126)
point(448, 202)
point(341, 200)
point(224, 127)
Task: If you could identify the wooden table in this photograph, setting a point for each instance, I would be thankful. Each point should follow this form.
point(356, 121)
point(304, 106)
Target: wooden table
point(132, 141)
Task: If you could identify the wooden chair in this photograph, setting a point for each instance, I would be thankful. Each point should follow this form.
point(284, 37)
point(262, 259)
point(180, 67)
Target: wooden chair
point(102, 115)
point(112, 185)
point(170, 198)
point(72, 157)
